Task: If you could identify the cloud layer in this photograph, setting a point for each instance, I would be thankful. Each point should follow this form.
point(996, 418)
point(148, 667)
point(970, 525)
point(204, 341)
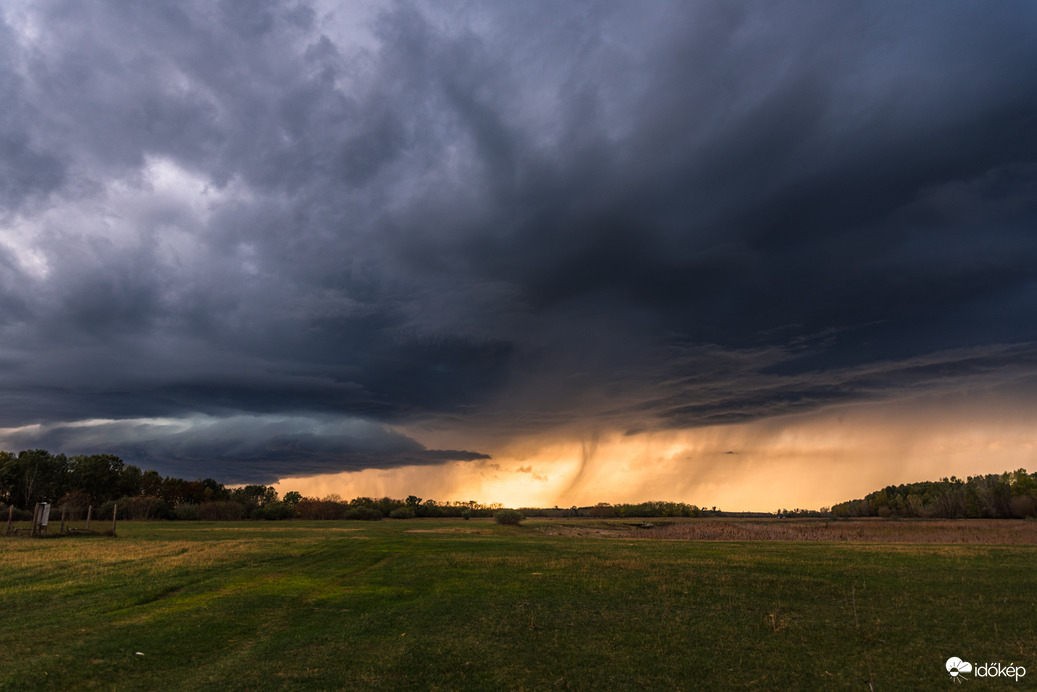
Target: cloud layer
point(267, 221)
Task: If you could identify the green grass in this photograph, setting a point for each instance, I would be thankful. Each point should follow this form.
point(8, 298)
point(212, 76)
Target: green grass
point(474, 605)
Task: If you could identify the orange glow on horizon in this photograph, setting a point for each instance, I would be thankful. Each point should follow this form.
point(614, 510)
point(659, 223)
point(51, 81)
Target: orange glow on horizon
point(807, 461)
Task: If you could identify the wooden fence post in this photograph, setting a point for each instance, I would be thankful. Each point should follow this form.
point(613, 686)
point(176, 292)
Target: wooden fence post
point(10, 516)
point(35, 518)
point(89, 510)
point(115, 515)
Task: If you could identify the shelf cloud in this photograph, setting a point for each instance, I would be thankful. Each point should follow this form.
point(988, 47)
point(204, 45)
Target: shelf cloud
point(257, 240)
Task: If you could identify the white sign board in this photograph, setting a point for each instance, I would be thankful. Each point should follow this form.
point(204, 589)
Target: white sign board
point(44, 514)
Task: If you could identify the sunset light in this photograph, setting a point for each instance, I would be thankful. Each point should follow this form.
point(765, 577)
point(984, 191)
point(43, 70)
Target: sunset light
point(732, 255)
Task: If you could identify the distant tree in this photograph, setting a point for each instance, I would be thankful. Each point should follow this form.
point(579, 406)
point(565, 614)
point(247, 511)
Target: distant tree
point(386, 505)
point(131, 481)
point(652, 508)
point(195, 492)
point(39, 475)
point(427, 508)
point(1023, 483)
point(327, 508)
point(98, 475)
point(254, 496)
point(151, 483)
point(75, 502)
point(225, 510)
point(214, 490)
point(186, 512)
point(1024, 506)
point(508, 517)
point(144, 508)
point(8, 477)
point(363, 513)
point(273, 511)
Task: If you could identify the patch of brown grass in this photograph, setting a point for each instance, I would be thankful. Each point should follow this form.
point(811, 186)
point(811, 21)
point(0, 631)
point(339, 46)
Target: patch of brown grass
point(964, 531)
point(482, 532)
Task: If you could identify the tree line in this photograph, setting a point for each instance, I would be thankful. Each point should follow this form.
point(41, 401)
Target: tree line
point(108, 484)
point(1008, 495)
point(36, 475)
point(605, 510)
point(104, 482)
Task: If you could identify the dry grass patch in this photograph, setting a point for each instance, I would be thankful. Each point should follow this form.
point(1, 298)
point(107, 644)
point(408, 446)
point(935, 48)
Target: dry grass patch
point(482, 532)
point(101, 554)
point(964, 531)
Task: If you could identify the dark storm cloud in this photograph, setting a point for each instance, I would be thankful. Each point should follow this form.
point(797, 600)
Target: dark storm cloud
point(510, 217)
point(242, 449)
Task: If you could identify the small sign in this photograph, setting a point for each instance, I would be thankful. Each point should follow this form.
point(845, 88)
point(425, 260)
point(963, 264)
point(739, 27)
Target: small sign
point(44, 514)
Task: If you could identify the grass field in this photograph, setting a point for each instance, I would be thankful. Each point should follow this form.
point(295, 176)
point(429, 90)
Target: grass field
point(444, 604)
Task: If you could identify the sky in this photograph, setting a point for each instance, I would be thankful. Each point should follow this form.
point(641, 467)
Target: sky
point(740, 254)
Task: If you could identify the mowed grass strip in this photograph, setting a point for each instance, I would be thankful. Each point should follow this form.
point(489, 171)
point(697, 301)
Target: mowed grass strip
point(451, 605)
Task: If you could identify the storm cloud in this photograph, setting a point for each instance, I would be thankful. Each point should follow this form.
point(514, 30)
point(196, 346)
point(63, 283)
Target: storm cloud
point(261, 239)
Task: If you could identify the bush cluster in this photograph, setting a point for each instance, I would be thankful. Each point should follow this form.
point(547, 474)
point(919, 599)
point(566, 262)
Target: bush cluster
point(508, 517)
point(226, 510)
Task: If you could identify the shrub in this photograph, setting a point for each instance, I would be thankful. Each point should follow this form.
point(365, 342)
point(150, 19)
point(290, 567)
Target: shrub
point(16, 515)
point(508, 517)
point(363, 514)
point(328, 508)
point(1024, 506)
point(185, 512)
point(104, 512)
point(144, 508)
point(273, 511)
point(227, 510)
point(75, 503)
point(402, 513)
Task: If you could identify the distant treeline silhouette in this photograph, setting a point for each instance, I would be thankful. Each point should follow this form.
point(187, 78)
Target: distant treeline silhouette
point(104, 481)
point(107, 483)
point(36, 475)
point(1012, 494)
point(604, 510)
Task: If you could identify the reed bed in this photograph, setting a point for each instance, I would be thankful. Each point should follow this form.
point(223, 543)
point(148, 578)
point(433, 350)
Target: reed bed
point(965, 531)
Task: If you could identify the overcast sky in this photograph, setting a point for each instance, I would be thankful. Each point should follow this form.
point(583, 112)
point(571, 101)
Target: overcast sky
point(257, 240)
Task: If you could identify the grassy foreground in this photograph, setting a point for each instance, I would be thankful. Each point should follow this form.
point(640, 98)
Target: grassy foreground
point(430, 604)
